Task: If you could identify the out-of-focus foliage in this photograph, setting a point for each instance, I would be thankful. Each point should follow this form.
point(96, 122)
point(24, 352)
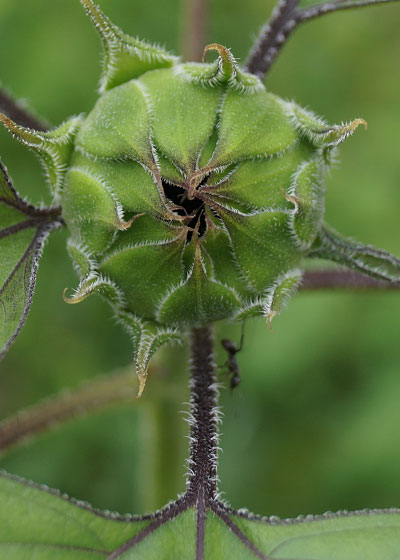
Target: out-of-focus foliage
point(314, 424)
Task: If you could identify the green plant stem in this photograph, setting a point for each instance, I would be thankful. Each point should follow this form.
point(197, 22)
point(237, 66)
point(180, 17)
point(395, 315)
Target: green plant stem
point(119, 388)
point(58, 409)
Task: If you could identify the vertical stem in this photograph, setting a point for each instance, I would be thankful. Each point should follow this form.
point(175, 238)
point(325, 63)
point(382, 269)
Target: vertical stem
point(147, 485)
point(272, 37)
point(202, 483)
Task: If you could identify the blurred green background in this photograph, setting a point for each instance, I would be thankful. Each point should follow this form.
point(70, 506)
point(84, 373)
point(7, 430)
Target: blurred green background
point(315, 424)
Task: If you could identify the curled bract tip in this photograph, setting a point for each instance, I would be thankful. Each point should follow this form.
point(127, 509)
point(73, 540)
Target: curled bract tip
point(356, 123)
point(77, 298)
point(290, 198)
point(97, 284)
point(123, 225)
point(227, 64)
point(224, 71)
point(142, 384)
point(224, 52)
point(67, 299)
point(270, 316)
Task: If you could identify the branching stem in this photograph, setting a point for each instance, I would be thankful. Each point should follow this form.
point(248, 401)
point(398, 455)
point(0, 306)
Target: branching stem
point(285, 18)
point(66, 406)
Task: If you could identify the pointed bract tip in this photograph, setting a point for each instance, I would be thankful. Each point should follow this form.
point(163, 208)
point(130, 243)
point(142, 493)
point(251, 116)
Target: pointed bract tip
point(142, 383)
point(122, 225)
point(293, 199)
point(270, 316)
point(23, 134)
point(96, 15)
point(126, 57)
point(339, 133)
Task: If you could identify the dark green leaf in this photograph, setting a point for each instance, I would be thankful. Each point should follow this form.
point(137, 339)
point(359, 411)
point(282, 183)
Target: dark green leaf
point(38, 523)
point(23, 231)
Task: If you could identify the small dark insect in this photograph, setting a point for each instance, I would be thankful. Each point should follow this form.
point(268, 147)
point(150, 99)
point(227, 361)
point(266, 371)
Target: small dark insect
point(232, 363)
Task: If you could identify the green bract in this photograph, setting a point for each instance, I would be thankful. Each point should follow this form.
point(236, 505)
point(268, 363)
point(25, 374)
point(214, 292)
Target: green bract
point(191, 193)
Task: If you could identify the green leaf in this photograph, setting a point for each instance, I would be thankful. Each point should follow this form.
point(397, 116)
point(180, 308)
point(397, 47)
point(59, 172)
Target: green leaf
point(279, 294)
point(23, 231)
point(38, 523)
point(366, 535)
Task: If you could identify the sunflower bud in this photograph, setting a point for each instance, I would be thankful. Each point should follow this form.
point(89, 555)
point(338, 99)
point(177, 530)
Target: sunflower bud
point(191, 193)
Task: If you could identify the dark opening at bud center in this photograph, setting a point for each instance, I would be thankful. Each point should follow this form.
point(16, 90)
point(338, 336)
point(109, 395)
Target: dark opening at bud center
point(191, 208)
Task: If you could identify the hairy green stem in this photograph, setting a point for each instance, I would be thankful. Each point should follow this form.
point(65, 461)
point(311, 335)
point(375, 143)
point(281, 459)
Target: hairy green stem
point(63, 407)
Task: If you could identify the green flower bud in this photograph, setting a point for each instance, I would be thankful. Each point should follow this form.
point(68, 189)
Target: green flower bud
point(225, 178)
point(191, 193)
